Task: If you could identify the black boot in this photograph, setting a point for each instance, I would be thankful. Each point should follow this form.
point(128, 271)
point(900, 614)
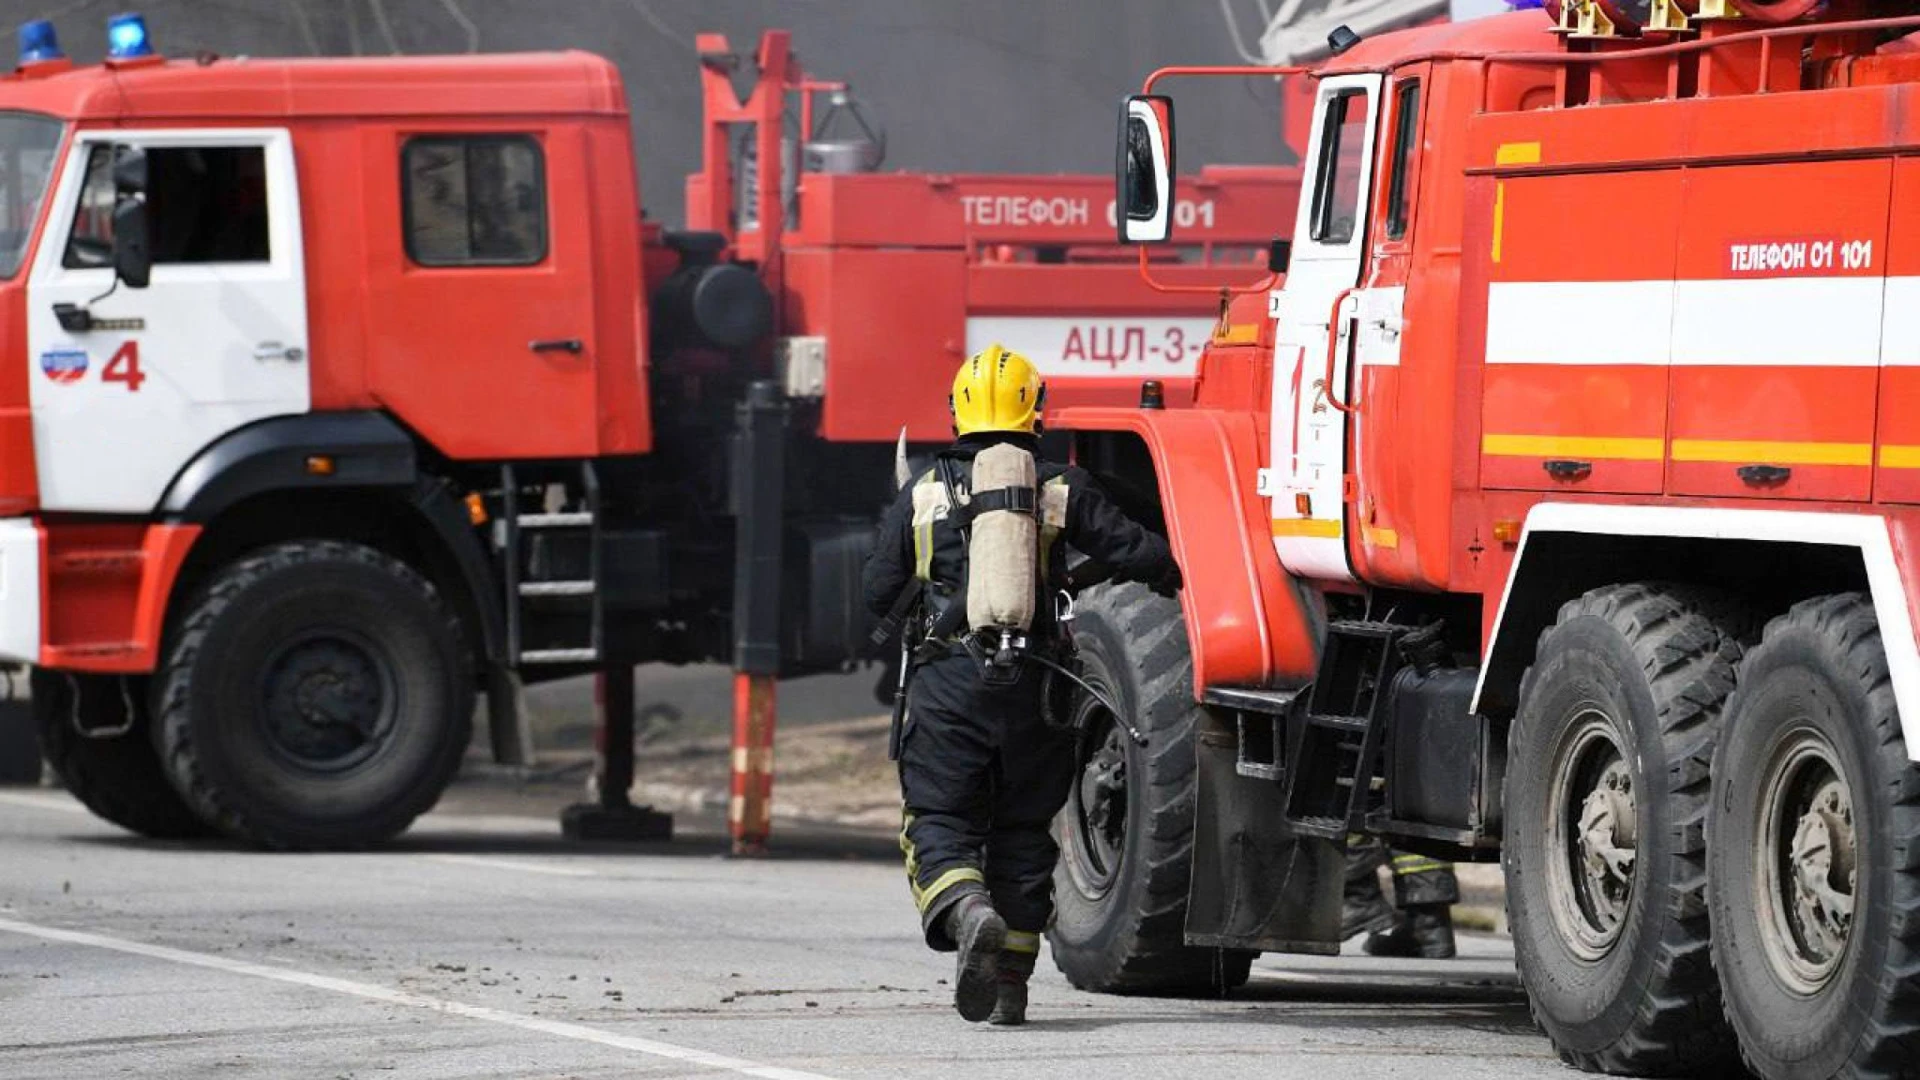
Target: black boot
point(1016, 967)
point(1373, 916)
point(1425, 931)
point(1363, 907)
point(1010, 1008)
point(980, 933)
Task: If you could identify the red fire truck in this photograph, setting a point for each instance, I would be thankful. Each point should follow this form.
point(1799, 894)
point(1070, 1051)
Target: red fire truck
point(1558, 507)
point(347, 389)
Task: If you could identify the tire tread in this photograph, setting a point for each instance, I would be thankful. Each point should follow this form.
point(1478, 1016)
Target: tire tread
point(1151, 955)
point(1888, 1046)
point(120, 780)
point(1688, 641)
point(174, 715)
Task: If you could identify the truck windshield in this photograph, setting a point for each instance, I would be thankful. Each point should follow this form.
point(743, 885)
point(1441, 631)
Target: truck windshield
point(28, 144)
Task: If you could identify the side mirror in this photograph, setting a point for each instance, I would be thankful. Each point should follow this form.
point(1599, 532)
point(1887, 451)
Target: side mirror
point(132, 258)
point(1145, 172)
point(129, 170)
point(1279, 256)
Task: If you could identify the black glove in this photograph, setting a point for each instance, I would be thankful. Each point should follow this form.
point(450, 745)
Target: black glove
point(1084, 573)
point(1169, 583)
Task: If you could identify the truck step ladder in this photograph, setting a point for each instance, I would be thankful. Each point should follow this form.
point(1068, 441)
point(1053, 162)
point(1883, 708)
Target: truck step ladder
point(1330, 768)
point(539, 598)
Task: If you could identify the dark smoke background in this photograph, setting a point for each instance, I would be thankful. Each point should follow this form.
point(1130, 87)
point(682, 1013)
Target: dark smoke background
point(961, 85)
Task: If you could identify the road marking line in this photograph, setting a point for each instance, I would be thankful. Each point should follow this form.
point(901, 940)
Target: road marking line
point(59, 802)
point(371, 992)
point(510, 864)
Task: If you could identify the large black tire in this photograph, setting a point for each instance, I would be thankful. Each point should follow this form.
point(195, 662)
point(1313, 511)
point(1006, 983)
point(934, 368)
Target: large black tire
point(1606, 804)
point(1816, 809)
point(315, 695)
point(1120, 891)
point(118, 778)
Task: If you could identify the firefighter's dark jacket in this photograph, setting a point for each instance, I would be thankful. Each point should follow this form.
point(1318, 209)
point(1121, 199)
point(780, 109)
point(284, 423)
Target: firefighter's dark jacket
point(1093, 526)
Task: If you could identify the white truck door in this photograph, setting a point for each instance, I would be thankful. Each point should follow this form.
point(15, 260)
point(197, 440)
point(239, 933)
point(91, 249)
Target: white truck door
point(216, 341)
point(1306, 480)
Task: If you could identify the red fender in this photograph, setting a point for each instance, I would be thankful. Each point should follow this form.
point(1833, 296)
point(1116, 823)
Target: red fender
point(104, 588)
point(1245, 615)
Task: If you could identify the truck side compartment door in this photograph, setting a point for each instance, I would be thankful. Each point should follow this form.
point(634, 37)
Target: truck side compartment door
point(1776, 330)
point(1313, 343)
point(1897, 434)
point(1579, 324)
point(217, 340)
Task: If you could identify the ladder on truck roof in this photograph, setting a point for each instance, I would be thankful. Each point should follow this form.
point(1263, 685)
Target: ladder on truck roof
point(1296, 30)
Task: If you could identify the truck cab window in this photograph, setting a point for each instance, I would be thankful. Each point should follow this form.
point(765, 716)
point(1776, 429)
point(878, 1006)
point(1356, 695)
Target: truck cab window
point(1343, 148)
point(90, 243)
point(28, 145)
point(205, 204)
point(1406, 142)
point(475, 201)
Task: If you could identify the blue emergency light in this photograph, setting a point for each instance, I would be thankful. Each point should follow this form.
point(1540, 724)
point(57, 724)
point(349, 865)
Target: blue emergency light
point(38, 42)
point(127, 37)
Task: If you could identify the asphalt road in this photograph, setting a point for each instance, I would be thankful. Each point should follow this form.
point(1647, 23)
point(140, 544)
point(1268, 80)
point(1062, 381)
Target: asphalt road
point(483, 947)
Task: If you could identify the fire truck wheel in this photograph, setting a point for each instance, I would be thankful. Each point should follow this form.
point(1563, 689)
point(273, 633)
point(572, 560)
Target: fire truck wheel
point(1120, 891)
point(316, 695)
point(1813, 878)
point(118, 778)
point(1606, 796)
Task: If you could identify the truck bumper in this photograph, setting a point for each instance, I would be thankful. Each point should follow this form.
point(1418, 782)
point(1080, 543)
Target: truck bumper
point(20, 578)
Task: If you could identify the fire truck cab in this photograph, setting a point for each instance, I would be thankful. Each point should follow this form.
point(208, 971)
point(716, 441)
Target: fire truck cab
point(1555, 508)
point(270, 359)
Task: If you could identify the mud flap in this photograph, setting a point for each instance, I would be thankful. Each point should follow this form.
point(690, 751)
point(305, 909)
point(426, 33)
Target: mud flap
point(1255, 884)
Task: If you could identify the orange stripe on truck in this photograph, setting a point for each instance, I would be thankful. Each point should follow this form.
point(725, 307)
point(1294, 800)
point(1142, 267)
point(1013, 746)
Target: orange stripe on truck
point(1773, 453)
point(1310, 527)
point(1900, 457)
point(1573, 446)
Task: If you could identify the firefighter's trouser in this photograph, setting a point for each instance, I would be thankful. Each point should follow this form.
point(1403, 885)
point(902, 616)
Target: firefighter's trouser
point(1417, 879)
point(982, 776)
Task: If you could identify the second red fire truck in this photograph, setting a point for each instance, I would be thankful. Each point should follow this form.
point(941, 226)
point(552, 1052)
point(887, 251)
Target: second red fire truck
point(1558, 507)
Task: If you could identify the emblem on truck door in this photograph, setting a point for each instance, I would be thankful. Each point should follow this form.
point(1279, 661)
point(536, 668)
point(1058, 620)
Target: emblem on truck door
point(64, 365)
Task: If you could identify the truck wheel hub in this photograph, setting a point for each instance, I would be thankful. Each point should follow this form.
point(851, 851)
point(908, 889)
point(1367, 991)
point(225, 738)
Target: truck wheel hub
point(1102, 801)
point(1594, 837)
point(1607, 835)
point(1809, 864)
point(327, 703)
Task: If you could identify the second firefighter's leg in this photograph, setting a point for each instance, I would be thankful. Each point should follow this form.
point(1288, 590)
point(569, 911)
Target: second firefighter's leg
point(1363, 906)
point(1036, 774)
point(946, 764)
point(1425, 890)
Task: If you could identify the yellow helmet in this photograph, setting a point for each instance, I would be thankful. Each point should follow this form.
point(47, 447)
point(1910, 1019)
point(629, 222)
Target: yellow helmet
point(997, 389)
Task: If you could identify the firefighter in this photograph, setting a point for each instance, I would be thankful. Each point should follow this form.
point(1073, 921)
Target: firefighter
point(982, 772)
point(1419, 922)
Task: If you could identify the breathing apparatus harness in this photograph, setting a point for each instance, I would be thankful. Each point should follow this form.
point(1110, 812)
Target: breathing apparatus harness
point(999, 652)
